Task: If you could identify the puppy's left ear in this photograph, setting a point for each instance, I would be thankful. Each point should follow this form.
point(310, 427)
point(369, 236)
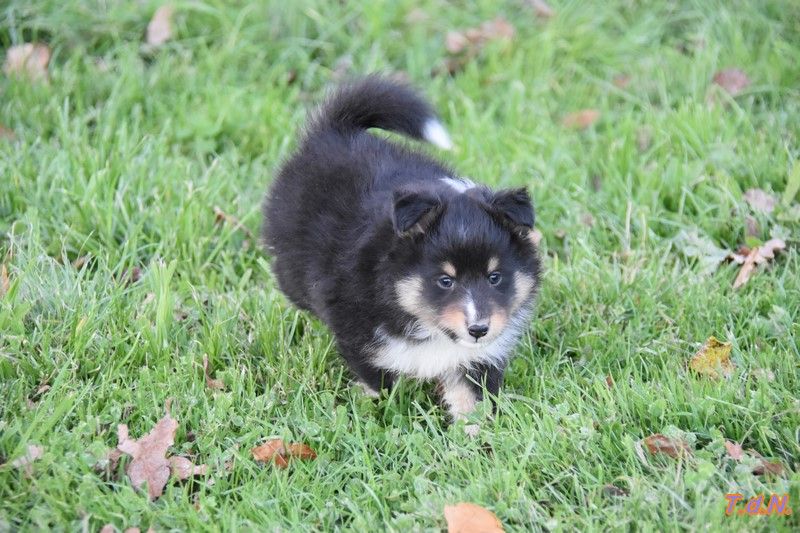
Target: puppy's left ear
point(515, 208)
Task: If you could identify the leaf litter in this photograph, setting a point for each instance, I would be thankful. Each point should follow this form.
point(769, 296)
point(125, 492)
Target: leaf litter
point(471, 518)
point(713, 359)
point(159, 29)
point(279, 453)
point(28, 59)
point(150, 463)
point(673, 447)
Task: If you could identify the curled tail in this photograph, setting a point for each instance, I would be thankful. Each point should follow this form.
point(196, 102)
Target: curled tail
point(376, 102)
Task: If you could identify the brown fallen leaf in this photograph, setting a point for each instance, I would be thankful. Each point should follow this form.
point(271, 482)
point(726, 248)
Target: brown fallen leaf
point(183, 468)
point(713, 359)
point(29, 59)
point(150, 464)
point(471, 40)
point(32, 453)
point(5, 283)
point(757, 256)
point(612, 491)
point(760, 200)
point(768, 467)
point(221, 216)
point(108, 528)
point(580, 120)
point(621, 81)
point(659, 443)
point(130, 276)
point(7, 133)
point(733, 80)
point(609, 381)
point(277, 452)
point(159, 29)
point(542, 9)
point(470, 518)
point(734, 450)
point(587, 220)
point(211, 383)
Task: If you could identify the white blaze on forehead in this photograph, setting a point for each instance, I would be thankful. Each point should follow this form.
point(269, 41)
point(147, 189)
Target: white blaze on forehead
point(459, 184)
point(470, 310)
point(434, 133)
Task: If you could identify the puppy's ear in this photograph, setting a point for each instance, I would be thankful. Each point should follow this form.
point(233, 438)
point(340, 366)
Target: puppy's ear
point(515, 209)
point(414, 211)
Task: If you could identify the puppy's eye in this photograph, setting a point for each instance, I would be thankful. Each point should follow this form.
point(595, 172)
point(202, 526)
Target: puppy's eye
point(495, 278)
point(445, 282)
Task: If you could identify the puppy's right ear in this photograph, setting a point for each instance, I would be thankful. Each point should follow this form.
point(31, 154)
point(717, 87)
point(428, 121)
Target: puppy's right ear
point(414, 211)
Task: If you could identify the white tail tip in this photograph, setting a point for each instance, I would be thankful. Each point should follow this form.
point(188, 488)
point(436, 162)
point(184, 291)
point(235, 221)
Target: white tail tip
point(434, 133)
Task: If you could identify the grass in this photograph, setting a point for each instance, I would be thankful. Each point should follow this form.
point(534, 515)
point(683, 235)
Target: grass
point(122, 157)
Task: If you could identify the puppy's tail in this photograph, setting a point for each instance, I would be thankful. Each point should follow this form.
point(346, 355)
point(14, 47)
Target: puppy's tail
point(376, 102)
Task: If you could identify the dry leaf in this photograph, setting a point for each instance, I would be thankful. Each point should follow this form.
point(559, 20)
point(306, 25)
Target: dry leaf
point(621, 81)
point(659, 443)
point(758, 255)
point(7, 133)
point(108, 528)
point(129, 277)
point(704, 250)
point(734, 450)
point(471, 40)
point(613, 491)
point(5, 283)
point(276, 451)
point(29, 59)
point(609, 381)
point(470, 518)
point(210, 382)
point(32, 453)
point(183, 468)
point(587, 220)
point(582, 119)
point(767, 467)
point(733, 80)
point(221, 216)
point(150, 464)
point(542, 9)
point(713, 359)
point(760, 200)
point(159, 30)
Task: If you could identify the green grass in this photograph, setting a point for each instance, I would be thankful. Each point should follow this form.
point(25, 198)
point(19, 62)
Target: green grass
point(122, 157)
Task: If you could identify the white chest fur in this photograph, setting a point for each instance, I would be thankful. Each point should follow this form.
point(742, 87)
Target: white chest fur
point(436, 355)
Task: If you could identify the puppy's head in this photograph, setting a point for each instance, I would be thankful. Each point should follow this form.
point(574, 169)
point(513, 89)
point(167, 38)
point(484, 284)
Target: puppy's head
point(464, 263)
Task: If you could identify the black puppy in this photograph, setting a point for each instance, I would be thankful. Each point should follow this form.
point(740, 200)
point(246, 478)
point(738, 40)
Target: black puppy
point(418, 272)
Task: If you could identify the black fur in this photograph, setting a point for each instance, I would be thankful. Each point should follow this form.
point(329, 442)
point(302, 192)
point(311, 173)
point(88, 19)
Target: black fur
point(351, 214)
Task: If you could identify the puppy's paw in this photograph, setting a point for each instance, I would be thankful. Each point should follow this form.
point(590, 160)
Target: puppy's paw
point(368, 391)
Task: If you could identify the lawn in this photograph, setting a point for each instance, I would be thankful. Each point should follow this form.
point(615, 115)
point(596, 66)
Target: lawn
point(130, 194)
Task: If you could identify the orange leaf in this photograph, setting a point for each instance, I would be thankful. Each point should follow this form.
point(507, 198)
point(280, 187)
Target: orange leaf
point(159, 30)
point(210, 382)
point(150, 464)
point(183, 468)
point(542, 9)
point(470, 518)
point(734, 450)
point(659, 443)
point(29, 59)
point(582, 119)
point(758, 255)
point(733, 80)
point(276, 451)
point(713, 359)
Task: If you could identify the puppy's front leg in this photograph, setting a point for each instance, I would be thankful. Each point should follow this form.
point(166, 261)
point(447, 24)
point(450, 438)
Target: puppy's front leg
point(459, 395)
point(371, 378)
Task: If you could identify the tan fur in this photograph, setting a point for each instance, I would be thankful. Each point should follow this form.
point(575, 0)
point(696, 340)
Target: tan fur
point(494, 262)
point(449, 269)
point(523, 285)
point(453, 319)
point(498, 319)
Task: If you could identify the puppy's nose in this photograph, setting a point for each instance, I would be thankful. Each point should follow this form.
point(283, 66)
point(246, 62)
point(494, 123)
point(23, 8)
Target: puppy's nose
point(478, 330)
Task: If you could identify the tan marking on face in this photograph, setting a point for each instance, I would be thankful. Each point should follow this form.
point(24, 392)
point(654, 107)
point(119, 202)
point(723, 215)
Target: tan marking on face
point(449, 269)
point(497, 322)
point(523, 285)
point(494, 262)
point(409, 294)
point(454, 319)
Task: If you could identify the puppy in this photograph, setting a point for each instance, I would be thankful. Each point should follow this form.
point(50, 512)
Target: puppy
point(418, 272)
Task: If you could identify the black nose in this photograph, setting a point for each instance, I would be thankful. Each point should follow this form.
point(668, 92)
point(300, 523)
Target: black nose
point(478, 330)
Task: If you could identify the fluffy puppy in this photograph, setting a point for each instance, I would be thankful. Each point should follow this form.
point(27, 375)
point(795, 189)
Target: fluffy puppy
point(417, 271)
